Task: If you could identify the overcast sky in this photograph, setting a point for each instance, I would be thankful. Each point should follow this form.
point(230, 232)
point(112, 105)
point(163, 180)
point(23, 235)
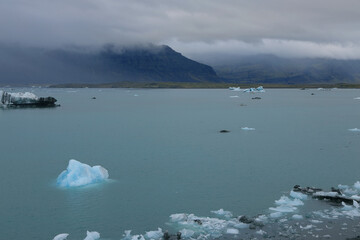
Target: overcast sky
point(305, 28)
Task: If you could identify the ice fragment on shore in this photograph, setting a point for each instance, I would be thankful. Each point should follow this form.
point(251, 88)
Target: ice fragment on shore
point(61, 236)
point(92, 235)
point(80, 174)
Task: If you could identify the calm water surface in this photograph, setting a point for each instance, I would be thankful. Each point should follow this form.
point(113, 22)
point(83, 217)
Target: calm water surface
point(165, 155)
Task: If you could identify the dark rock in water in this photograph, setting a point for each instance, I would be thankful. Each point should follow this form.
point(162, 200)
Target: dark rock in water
point(256, 98)
point(334, 196)
point(93, 98)
point(302, 88)
point(245, 219)
point(242, 105)
point(312, 94)
point(178, 235)
point(224, 131)
point(168, 236)
point(198, 221)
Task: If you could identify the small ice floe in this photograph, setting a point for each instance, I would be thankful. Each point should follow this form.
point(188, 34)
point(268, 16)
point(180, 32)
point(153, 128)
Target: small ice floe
point(80, 174)
point(298, 195)
point(307, 227)
point(187, 233)
point(214, 227)
point(235, 96)
point(128, 236)
point(354, 130)
point(61, 236)
point(92, 235)
point(247, 129)
point(234, 89)
point(297, 217)
point(232, 231)
point(357, 98)
point(261, 232)
point(255, 90)
point(316, 221)
point(136, 95)
point(222, 212)
point(155, 234)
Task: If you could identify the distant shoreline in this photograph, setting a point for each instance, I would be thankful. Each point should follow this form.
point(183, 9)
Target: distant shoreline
point(189, 85)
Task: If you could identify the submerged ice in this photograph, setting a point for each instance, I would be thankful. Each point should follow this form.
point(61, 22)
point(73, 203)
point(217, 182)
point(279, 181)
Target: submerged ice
point(80, 174)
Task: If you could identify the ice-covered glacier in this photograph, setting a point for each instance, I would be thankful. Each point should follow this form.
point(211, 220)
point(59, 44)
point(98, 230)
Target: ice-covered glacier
point(80, 174)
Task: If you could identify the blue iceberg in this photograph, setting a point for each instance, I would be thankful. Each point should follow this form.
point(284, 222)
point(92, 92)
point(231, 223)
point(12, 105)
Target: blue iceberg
point(80, 174)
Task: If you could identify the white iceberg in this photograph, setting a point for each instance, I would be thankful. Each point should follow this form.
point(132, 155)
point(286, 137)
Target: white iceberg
point(247, 129)
point(354, 130)
point(61, 236)
point(254, 90)
point(92, 235)
point(298, 195)
point(222, 212)
point(234, 88)
point(232, 231)
point(155, 234)
point(80, 174)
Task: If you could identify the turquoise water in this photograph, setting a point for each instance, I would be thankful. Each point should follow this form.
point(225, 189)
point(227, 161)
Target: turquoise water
point(165, 155)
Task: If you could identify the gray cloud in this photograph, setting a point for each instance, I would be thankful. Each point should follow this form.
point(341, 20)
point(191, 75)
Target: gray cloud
point(325, 28)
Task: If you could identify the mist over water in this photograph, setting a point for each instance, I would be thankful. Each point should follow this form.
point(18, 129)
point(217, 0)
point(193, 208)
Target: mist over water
point(165, 155)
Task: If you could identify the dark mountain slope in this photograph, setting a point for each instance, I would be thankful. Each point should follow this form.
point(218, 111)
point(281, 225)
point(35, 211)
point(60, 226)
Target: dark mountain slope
point(110, 64)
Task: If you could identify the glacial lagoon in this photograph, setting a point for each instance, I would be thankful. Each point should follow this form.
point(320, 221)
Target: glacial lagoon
point(166, 157)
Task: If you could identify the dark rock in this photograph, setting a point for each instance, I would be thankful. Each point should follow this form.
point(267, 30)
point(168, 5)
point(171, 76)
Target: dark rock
point(312, 94)
point(256, 98)
point(198, 221)
point(178, 235)
point(245, 219)
point(93, 98)
point(224, 131)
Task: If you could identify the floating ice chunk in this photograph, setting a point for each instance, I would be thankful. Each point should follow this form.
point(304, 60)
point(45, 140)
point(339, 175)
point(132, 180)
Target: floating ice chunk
point(232, 231)
point(80, 174)
point(61, 236)
point(222, 212)
point(297, 217)
point(258, 89)
point(247, 129)
point(261, 232)
point(234, 89)
point(262, 219)
point(187, 233)
point(354, 129)
point(298, 195)
point(283, 209)
point(236, 96)
point(357, 98)
point(178, 217)
point(92, 235)
point(326, 194)
point(316, 221)
point(355, 204)
point(307, 227)
point(276, 214)
point(357, 185)
point(285, 201)
point(155, 234)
